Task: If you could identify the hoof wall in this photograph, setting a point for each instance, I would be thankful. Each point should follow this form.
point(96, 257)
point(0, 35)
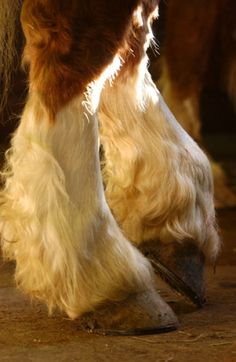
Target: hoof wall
point(179, 265)
point(140, 314)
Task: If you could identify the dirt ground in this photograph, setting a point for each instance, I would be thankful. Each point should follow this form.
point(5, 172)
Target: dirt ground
point(28, 334)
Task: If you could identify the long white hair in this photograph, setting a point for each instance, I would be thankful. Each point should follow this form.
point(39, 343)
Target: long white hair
point(9, 14)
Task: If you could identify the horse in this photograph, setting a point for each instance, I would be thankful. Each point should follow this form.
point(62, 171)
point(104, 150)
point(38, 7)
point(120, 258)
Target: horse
point(88, 250)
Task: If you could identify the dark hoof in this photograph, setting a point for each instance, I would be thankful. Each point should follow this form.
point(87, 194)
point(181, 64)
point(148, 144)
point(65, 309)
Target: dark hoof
point(179, 265)
point(143, 313)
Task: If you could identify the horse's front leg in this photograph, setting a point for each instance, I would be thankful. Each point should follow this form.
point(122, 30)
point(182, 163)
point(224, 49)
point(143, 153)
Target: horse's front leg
point(55, 221)
point(158, 181)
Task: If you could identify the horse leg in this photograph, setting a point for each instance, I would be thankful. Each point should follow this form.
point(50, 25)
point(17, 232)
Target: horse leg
point(185, 61)
point(54, 219)
point(158, 181)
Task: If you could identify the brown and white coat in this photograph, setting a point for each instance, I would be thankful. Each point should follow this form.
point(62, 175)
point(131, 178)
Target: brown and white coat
point(88, 77)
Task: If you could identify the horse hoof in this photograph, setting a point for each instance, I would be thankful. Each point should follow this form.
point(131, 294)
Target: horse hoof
point(139, 314)
point(179, 265)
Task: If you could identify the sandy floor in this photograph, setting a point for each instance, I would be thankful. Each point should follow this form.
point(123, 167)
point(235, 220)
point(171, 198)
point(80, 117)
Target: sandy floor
point(28, 334)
